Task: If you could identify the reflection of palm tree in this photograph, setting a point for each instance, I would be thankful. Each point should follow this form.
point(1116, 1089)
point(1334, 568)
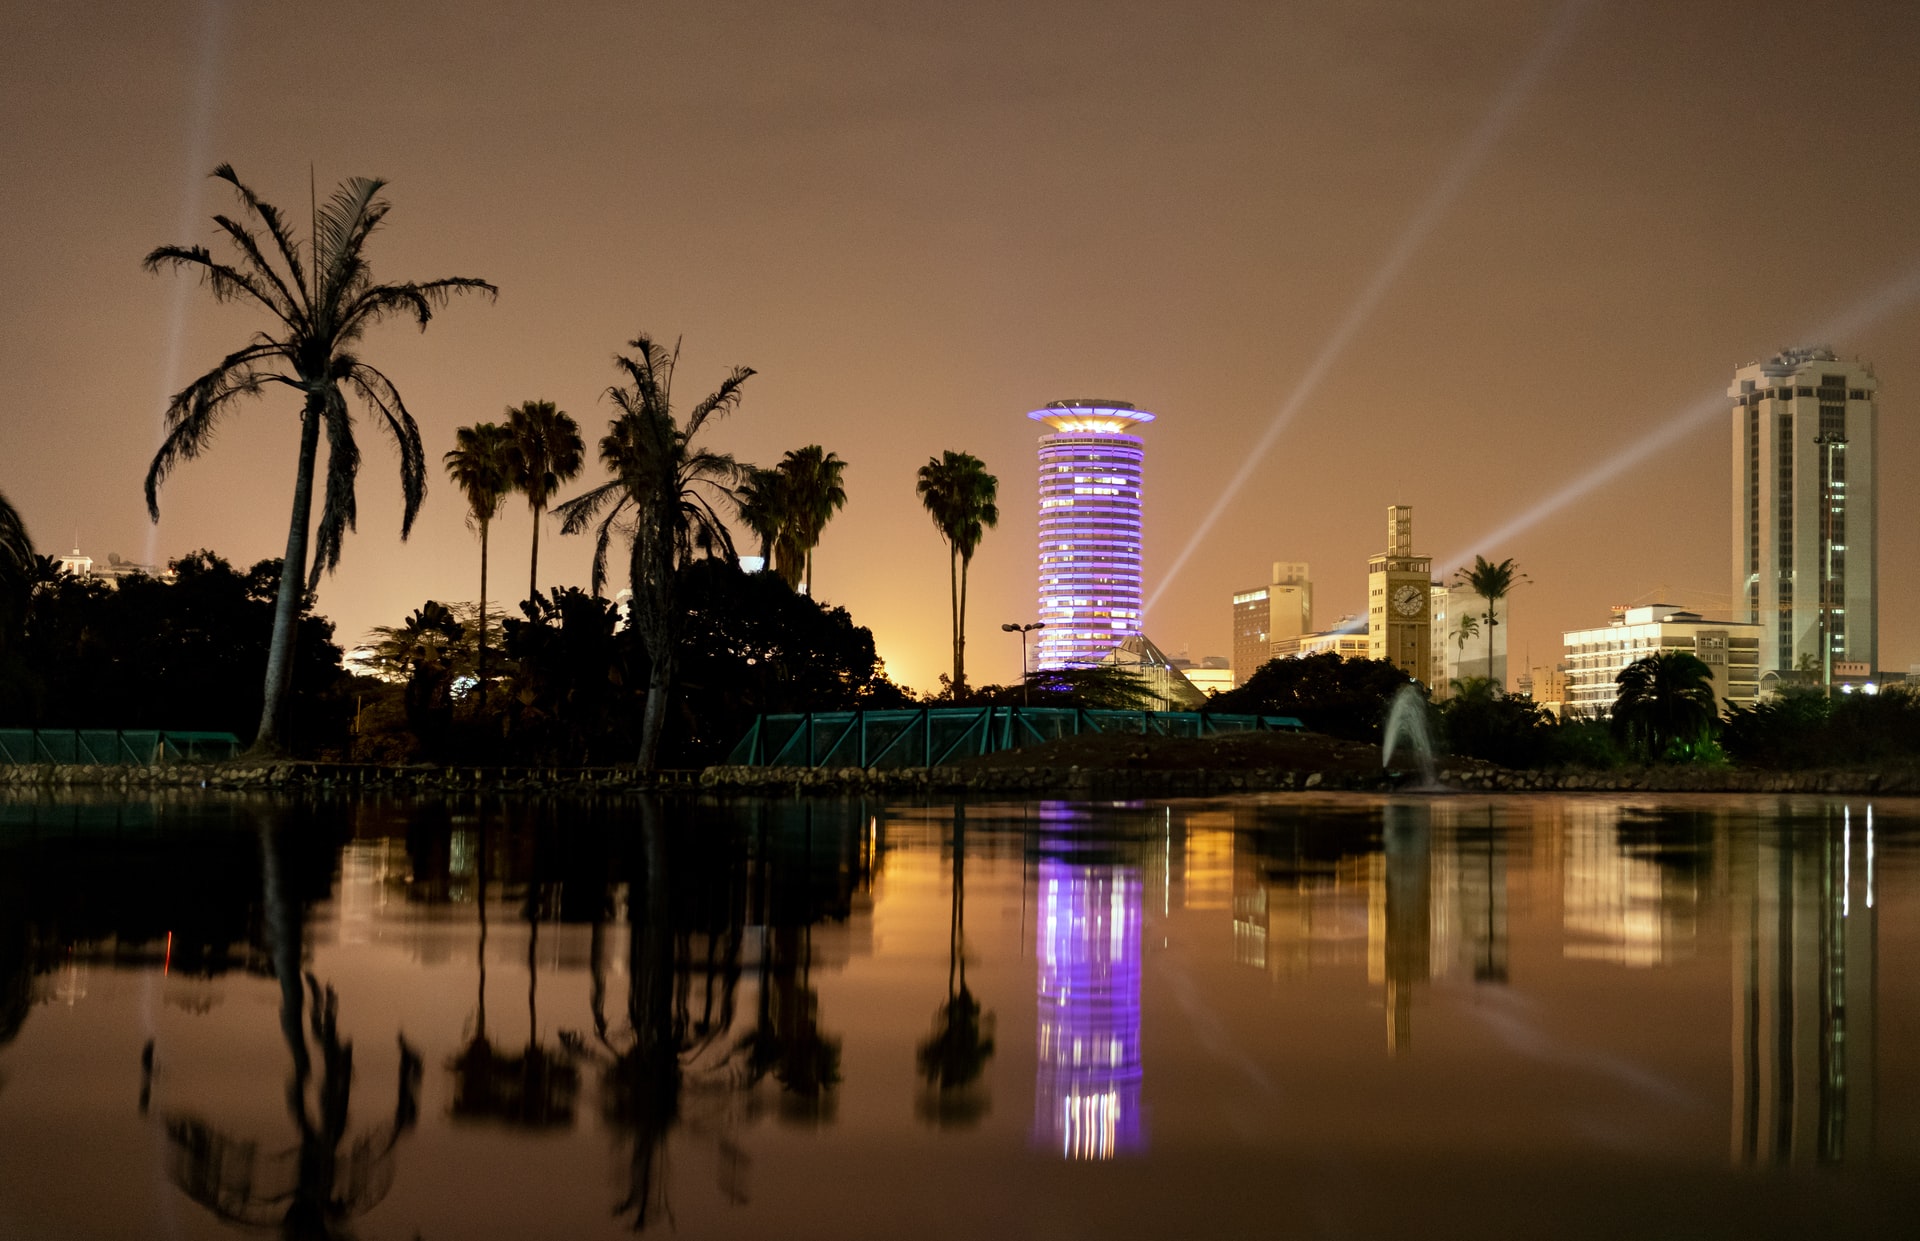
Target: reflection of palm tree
point(329, 1187)
point(534, 1089)
point(952, 1059)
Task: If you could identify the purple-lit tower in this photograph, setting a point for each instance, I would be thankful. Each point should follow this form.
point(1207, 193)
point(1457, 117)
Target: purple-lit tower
point(1090, 560)
point(1086, 1095)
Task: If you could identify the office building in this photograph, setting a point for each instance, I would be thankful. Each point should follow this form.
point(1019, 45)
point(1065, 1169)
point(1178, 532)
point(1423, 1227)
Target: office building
point(1090, 530)
point(1399, 589)
point(1458, 630)
point(1265, 615)
point(1594, 657)
point(1804, 518)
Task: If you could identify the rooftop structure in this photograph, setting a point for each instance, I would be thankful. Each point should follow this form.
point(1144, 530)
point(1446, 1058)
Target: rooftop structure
point(1595, 657)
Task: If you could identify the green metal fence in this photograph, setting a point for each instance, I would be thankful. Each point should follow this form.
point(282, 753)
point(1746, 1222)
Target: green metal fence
point(107, 747)
point(934, 735)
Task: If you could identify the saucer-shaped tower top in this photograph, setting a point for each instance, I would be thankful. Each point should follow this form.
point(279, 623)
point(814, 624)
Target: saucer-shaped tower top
point(1090, 549)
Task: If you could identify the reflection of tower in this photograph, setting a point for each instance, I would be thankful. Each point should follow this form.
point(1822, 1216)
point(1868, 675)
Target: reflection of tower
point(1804, 972)
point(1090, 550)
point(1401, 951)
point(1086, 1094)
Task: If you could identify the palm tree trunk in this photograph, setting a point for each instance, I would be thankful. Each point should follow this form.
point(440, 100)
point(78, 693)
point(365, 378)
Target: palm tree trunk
point(533, 572)
point(483, 614)
point(655, 716)
point(270, 740)
point(953, 611)
point(960, 630)
point(1491, 622)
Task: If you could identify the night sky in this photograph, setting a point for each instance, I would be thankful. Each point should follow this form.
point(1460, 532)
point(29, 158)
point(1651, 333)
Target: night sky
point(1470, 251)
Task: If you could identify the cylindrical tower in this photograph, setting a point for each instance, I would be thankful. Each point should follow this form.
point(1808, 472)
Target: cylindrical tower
point(1090, 558)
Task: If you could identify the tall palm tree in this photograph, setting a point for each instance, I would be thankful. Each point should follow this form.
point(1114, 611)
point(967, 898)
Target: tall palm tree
point(481, 466)
point(960, 496)
point(762, 502)
point(662, 495)
point(814, 494)
point(320, 299)
point(1665, 705)
point(547, 451)
point(1491, 582)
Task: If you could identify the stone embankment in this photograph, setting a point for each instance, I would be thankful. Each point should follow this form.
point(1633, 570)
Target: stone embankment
point(1000, 780)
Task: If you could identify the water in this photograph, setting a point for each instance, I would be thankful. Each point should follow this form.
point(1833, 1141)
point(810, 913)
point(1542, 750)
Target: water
point(1345, 1016)
point(1407, 725)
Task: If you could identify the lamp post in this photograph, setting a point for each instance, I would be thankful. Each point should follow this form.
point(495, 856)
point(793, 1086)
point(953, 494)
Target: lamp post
point(1827, 441)
point(1023, 631)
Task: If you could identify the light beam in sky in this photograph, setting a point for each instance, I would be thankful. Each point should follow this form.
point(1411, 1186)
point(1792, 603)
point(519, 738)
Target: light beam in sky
point(1895, 295)
point(199, 141)
point(1478, 145)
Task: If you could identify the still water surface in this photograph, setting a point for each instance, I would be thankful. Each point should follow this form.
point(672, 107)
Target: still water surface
point(1342, 1017)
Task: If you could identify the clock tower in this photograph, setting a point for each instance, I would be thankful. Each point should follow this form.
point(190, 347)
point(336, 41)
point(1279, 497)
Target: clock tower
point(1399, 586)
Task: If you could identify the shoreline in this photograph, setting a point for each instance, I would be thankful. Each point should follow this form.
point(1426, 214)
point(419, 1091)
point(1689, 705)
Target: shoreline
point(1071, 781)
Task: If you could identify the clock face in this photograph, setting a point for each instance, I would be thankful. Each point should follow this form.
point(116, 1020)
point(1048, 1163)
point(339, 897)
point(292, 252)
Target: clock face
point(1409, 600)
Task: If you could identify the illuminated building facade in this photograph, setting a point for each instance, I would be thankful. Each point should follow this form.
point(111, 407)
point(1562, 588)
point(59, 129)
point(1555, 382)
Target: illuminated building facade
point(1090, 530)
point(1266, 615)
point(1804, 520)
point(1595, 657)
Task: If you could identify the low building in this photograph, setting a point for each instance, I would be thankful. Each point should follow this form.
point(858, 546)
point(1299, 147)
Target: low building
point(1212, 675)
point(1349, 640)
point(1595, 657)
point(77, 564)
point(1166, 682)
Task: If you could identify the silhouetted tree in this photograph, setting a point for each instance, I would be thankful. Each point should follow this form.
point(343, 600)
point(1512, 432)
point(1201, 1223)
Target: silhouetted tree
point(960, 496)
point(813, 494)
point(481, 466)
point(1341, 697)
point(1491, 582)
point(321, 299)
point(1665, 707)
point(547, 451)
point(762, 501)
point(663, 495)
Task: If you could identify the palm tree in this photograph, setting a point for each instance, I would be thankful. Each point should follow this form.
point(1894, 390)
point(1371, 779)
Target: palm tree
point(1491, 582)
point(959, 494)
point(320, 300)
point(662, 495)
point(762, 501)
point(547, 451)
point(814, 495)
point(1665, 704)
point(481, 466)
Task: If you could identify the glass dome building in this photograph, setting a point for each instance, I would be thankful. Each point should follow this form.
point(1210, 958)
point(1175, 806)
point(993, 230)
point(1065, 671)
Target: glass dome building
point(1090, 548)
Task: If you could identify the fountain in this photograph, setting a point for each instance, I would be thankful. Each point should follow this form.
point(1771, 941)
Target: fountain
point(1407, 723)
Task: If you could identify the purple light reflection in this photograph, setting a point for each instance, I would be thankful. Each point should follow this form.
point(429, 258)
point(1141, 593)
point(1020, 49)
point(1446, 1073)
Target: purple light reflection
point(1086, 1090)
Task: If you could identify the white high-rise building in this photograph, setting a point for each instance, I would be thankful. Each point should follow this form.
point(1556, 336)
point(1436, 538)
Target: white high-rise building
point(1804, 515)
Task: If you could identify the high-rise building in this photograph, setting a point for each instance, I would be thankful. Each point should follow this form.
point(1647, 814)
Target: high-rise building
point(1399, 586)
point(1090, 546)
point(1804, 517)
point(1264, 615)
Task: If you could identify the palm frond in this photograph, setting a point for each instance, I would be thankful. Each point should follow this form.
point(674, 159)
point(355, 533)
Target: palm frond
point(228, 283)
point(339, 229)
point(576, 513)
point(421, 300)
point(276, 227)
point(339, 511)
point(195, 410)
point(290, 310)
point(723, 399)
point(378, 391)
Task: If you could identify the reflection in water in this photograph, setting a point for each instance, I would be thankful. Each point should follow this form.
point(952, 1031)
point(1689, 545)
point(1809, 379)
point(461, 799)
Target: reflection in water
point(1088, 943)
point(315, 1189)
point(1805, 992)
point(956, 1053)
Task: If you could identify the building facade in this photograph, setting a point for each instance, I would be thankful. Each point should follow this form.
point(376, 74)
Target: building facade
point(1458, 628)
point(1090, 530)
point(1594, 657)
point(1804, 515)
point(1265, 615)
point(1399, 604)
point(1348, 640)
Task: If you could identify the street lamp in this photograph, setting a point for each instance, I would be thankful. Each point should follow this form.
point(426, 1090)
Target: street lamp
point(1023, 631)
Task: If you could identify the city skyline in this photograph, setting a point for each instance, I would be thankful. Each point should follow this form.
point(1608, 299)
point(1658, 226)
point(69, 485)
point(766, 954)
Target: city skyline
point(915, 227)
